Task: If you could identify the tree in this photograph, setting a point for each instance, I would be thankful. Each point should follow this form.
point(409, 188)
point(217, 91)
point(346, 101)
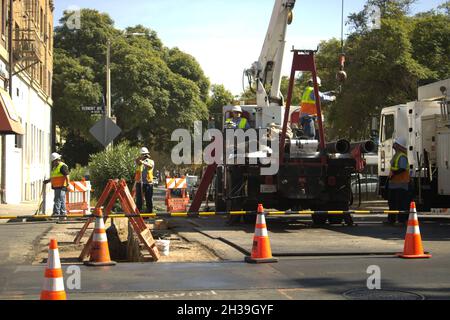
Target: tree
point(73, 87)
point(219, 98)
point(430, 39)
point(155, 90)
point(382, 69)
point(185, 65)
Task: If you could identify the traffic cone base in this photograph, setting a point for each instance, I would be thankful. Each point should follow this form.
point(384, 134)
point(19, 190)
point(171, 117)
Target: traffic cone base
point(413, 248)
point(249, 259)
point(51, 295)
point(100, 264)
point(261, 251)
point(418, 256)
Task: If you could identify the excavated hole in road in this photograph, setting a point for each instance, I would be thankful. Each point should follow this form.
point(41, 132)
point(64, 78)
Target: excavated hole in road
point(124, 245)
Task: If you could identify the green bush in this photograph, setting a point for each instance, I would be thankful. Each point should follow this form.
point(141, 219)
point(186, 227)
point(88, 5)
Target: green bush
point(116, 163)
point(78, 173)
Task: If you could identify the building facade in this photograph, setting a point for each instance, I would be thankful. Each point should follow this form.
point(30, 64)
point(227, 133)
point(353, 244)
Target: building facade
point(26, 157)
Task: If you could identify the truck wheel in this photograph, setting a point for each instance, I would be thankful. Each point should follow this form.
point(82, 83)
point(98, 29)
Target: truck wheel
point(335, 219)
point(232, 206)
point(250, 219)
point(220, 205)
point(319, 219)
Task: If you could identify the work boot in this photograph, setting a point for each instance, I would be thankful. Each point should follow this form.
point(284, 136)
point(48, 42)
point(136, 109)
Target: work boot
point(391, 219)
point(348, 219)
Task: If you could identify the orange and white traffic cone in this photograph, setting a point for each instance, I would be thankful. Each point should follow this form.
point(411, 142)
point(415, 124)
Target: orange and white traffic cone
point(413, 241)
point(53, 288)
point(261, 252)
point(99, 253)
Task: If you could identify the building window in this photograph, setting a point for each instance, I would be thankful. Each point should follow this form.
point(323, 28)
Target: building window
point(50, 84)
point(41, 26)
point(4, 17)
point(18, 139)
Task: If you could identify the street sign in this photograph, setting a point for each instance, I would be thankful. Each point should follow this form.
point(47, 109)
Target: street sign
point(105, 131)
point(93, 109)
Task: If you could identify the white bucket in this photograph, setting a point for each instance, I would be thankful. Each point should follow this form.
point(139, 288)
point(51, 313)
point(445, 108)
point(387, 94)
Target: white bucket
point(163, 246)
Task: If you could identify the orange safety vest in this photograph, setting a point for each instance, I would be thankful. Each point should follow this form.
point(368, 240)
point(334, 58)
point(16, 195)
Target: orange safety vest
point(403, 177)
point(308, 105)
point(57, 179)
point(140, 169)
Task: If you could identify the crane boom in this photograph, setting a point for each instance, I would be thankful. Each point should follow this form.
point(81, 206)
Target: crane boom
point(267, 70)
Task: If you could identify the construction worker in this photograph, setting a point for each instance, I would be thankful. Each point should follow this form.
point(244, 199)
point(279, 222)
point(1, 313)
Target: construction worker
point(308, 110)
point(144, 180)
point(398, 184)
point(59, 178)
point(237, 121)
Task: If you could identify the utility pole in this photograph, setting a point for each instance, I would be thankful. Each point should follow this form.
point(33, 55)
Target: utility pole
point(108, 80)
point(108, 89)
point(108, 84)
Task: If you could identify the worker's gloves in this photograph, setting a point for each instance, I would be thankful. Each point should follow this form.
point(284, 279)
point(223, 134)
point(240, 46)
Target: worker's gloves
point(231, 125)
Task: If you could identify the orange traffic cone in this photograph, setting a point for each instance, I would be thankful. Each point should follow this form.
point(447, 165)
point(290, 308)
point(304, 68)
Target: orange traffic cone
point(53, 288)
point(413, 241)
point(261, 252)
point(99, 254)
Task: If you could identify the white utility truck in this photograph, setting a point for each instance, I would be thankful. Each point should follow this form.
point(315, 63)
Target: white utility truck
point(425, 124)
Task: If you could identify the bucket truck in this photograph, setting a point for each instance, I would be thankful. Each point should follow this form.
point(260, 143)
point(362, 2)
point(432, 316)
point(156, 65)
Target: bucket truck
point(425, 124)
point(312, 174)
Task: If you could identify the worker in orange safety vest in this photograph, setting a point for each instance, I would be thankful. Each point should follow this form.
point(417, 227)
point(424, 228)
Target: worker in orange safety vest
point(60, 181)
point(144, 180)
point(308, 109)
point(398, 184)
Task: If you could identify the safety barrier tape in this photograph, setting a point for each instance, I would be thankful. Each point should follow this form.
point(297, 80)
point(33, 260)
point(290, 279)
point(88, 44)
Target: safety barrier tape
point(213, 213)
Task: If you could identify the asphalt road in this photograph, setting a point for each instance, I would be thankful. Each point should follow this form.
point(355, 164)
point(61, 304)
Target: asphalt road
point(299, 278)
point(314, 263)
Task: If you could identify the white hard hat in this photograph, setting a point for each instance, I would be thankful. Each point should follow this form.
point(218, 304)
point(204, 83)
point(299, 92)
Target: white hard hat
point(236, 109)
point(55, 156)
point(401, 142)
point(319, 82)
point(144, 150)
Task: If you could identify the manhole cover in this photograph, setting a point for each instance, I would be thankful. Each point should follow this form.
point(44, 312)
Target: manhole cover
point(366, 294)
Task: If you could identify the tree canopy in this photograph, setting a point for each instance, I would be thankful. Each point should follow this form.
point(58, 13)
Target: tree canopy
point(385, 66)
point(154, 89)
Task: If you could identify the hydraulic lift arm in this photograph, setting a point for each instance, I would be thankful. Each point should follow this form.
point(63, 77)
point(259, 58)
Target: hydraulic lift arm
point(266, 72)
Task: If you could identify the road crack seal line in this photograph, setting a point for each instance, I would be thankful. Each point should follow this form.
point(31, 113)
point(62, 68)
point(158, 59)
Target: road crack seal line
point(231, 244)
point(36, 244)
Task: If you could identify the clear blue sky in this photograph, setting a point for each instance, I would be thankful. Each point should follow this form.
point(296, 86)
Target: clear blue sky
point(226, 36)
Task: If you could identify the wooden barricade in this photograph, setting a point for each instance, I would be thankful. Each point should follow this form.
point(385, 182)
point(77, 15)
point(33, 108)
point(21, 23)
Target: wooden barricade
point(118, 190)
point(78, 198)
point(177, 198)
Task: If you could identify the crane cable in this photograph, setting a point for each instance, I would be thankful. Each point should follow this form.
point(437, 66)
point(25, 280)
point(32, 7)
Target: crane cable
point(341, 76)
